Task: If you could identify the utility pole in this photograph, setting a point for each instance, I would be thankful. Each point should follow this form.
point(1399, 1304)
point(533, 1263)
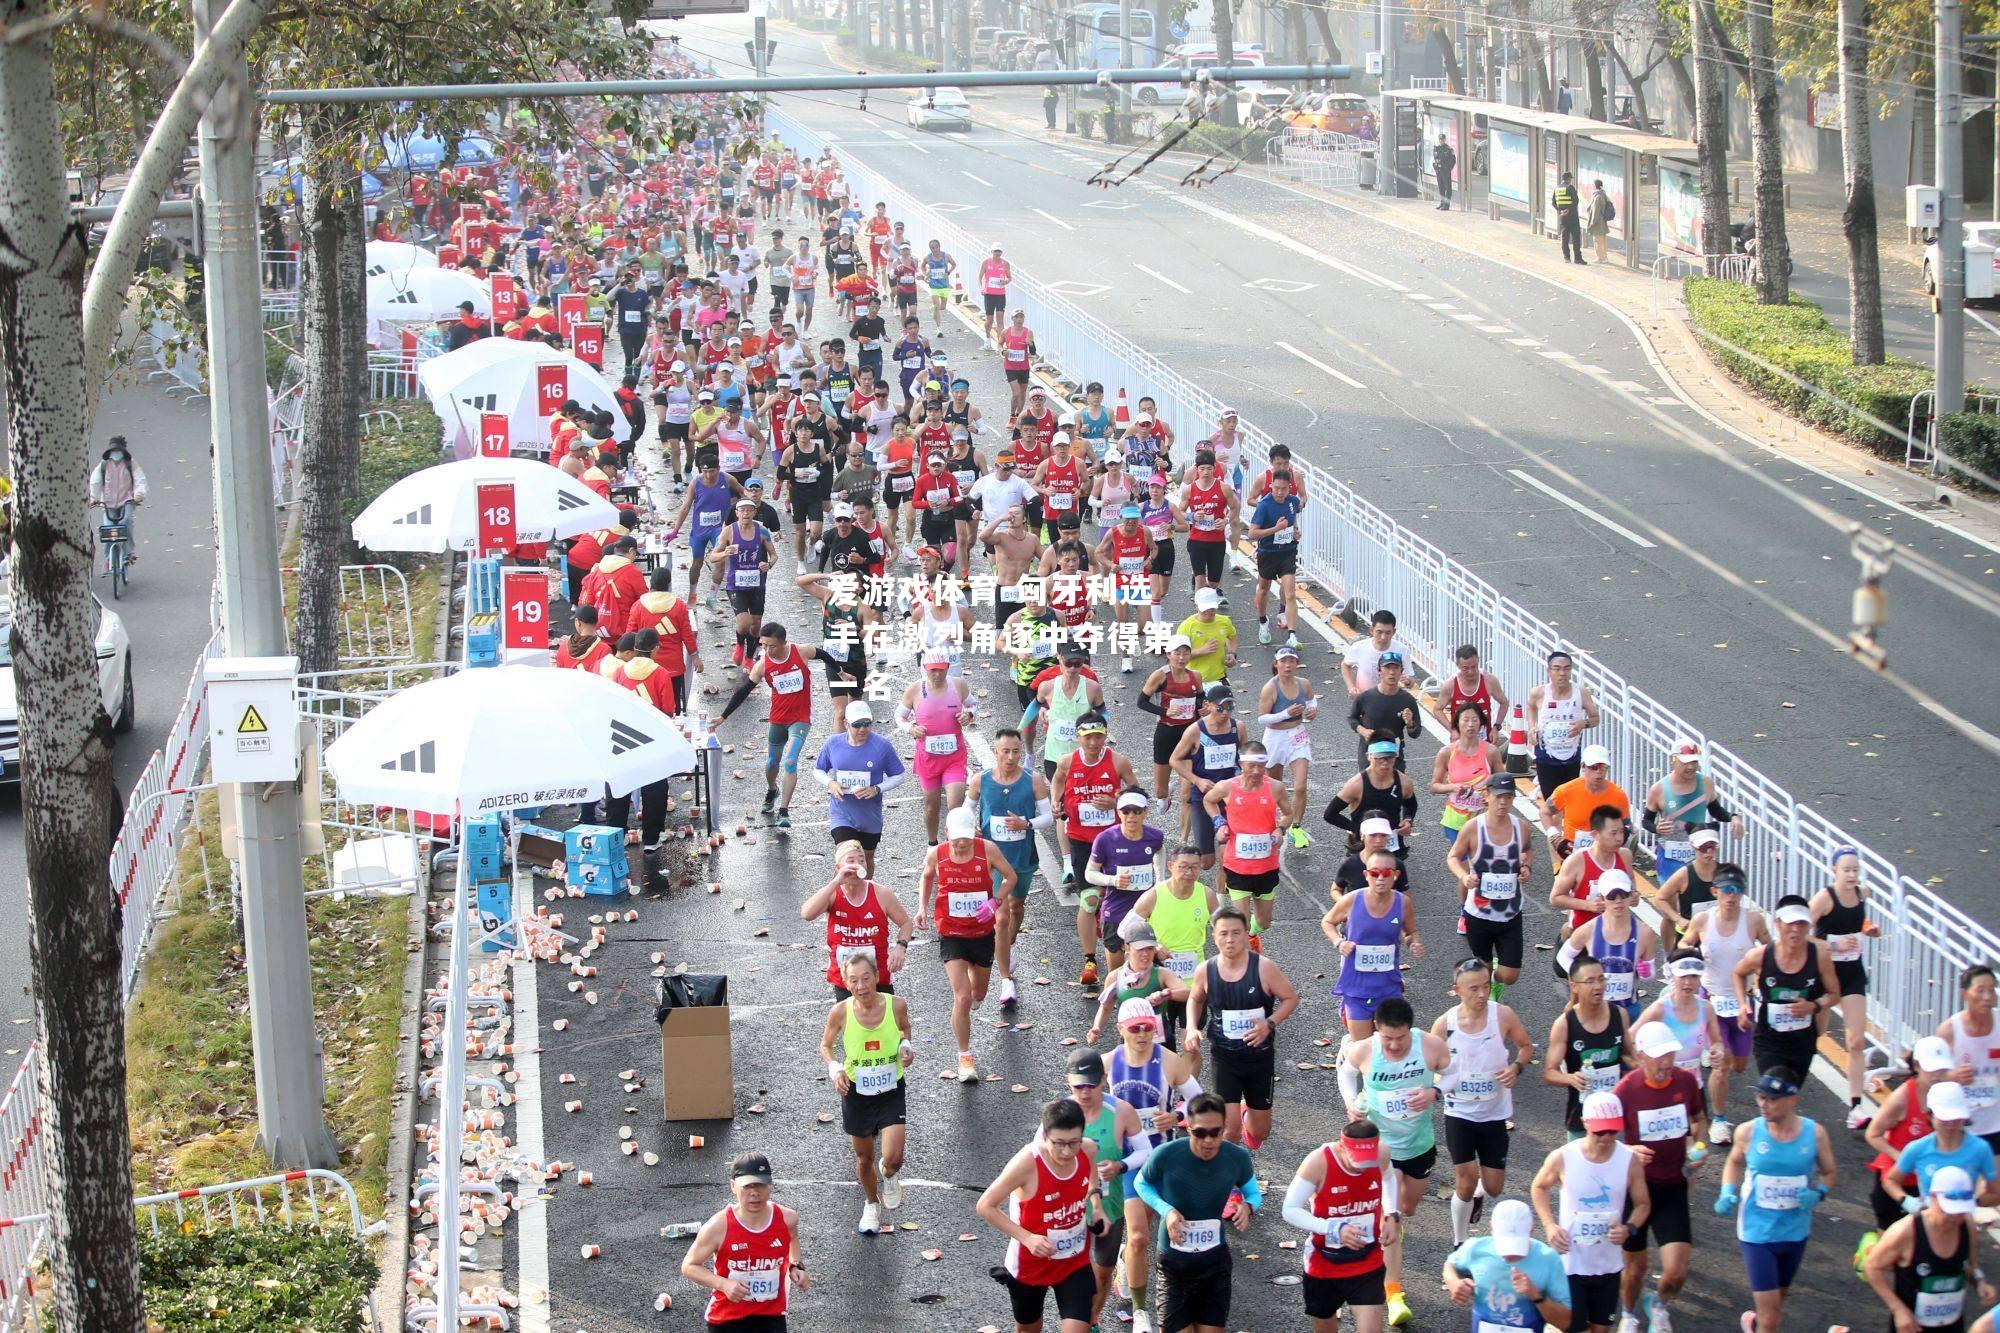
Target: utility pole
point(1949, 330)
point(291, 1081)
point(1125, 54)
point(759, 57)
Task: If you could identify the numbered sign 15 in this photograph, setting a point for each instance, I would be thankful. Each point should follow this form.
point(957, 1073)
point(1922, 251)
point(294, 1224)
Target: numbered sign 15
point(587, 341)
point(495, 435)
point(524, 597)
point(497, 518)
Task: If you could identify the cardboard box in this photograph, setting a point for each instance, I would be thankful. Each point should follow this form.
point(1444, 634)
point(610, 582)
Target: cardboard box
point(697, 1074)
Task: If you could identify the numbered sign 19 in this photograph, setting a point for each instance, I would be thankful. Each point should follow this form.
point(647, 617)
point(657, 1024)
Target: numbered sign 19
point(496, 517)
point(509, 301)
point(524, 598)
point(587, 341)
point(495, 435)
point(551, 389)
point(571, 308)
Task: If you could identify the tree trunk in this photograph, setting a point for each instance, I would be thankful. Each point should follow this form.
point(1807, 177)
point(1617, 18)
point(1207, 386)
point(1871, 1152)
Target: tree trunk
point(1538, 84)
point(1711, 132)
point(900, 9)
point(1454, 69)
point(1594, 67)
point(1684, 84)
point(66, 798)
point(331, 296)
point(1225, 58)
point(1767, 155)
point(1324, 23)
point(1857, 166)
point(1637, 83)
point(1295, 22)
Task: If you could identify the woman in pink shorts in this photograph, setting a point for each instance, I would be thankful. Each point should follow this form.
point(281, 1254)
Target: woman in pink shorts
point(934, 712)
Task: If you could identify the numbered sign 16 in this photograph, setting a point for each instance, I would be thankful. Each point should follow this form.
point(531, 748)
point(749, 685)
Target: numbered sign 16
point(524, 597)
point(587, 341)
point(551, 389)
point(495, 435)
point(496, 517)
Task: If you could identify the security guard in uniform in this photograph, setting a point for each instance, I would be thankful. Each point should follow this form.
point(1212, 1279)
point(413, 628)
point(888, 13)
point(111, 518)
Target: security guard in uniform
point(1568, 224)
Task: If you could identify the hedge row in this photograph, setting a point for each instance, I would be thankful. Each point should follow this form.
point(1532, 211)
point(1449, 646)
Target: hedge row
point(1973, 438)
point(388, 454)
point(264, 1279)
point(1835, 394)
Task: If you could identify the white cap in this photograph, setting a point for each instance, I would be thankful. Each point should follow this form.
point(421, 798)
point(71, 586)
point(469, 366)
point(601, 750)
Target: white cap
point(1513, 1226)
point(1132, 800)
point(1687, 750)
point(859, 711)
point(1933, 1055)
point(1180, 641)
point(677, 367)
point(1952, 1189)
point(1377, 824)
point(1946, 1101)
point(961, 823)
point(936, 657)
point(1794, 914)
point(1704, 837)
point(1687, 967)
point(1066, 419)
point(1611, 880)
point(844, 510)
point(1136, 1010)
point(1207, 599)
point(1656, 1038)
point(1060, 437)
point(1602, 1111)
point(1595, 754)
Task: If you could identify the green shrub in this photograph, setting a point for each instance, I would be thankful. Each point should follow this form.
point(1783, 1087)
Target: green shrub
point(1819, 383)
point(266, 1279)
point(1245, 142)
point(1973, 438)
point(388, 454)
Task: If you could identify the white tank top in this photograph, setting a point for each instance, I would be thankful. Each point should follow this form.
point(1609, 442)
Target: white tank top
point(945, 635)
point(1983, 1054)
point(1478, 1057)
point(1555, 714)
point(1721, 953)
point(1593, 1201)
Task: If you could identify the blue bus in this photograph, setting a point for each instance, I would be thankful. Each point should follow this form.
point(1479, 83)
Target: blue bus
point(1097, 41)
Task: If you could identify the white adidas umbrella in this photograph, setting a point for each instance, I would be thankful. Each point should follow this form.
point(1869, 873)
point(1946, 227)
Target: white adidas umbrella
point(397, 257)
point(501, 375)
point(423, 296)
point(437, 509)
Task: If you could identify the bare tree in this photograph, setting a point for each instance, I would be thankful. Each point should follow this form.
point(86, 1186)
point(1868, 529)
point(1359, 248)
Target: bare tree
point(1711, 128)
point(1857, 165)
point(1767, 159)
point(1225, 58)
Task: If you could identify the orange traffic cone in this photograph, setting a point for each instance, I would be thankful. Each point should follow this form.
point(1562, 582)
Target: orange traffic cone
point(1121, 416)
point(1517, 741)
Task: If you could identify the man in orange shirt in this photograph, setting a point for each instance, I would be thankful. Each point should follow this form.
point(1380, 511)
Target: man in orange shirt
point(1567, 814)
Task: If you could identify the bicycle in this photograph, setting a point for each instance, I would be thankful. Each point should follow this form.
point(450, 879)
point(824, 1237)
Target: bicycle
point(114, 544)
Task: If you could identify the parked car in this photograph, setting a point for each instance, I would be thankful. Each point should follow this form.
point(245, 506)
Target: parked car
point(940, 109)
point(1339, 113)
point(1981, 285)
point(982, 44)
point(1191, 58)
point(1264, 104)
point(114, 684)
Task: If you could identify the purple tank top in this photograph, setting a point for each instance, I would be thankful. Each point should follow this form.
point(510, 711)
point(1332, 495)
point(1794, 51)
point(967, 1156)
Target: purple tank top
point(1372, 970)
point(1114, 851)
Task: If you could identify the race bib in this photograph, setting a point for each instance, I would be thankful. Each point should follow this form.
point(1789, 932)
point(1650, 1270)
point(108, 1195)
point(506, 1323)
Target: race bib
point(1199, 1236)
point(1238, 1023)
point(1011, 593)
point(853, 779)
point(1477, 1088)
point(1846, 948)
point(1063, 729)
point(1284, 536)
point(1940, 1309)
point(1782, 1019)
point(1254, 846)
point(747, 578)
point(1220, 756)
point(763, 1282)
point(805, 476)
point(1361, 1222)
point(1663, 1124)
point(708, 518)
point(788, 682)
point(1131, 564)
point(1497, 887)
point(1618, 986)
point(1068, 1242)
point(1601, 1078)
point(1182, 965)
point(1138, 878)
point(1180, 708)
point(1062, 500)
point(1204, 522)
point(1725, 1006)
point(1374, 958)
point(1585, 839)
point(1982, 1092)
point(1779, 1193)
point(945, 744)
point(1592, 1228)
point(1001, 833)
point(633, 316)
point(936, 499)
point(1090, 816)
point(903, 482)
point(843, 952)
point(1679, 849)
point(1395, 1105)
point(964, 906)
point(874, 1080)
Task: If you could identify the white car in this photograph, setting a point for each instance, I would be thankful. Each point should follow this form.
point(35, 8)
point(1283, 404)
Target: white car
point(1980, 285)
point(940, 109)
point(114, 683)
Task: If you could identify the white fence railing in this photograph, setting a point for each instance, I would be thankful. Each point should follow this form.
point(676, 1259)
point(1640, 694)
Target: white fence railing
point(176, 357)
point(1367, 561)
point(1674, 266)
point(23, 1188)
point(1318, 157)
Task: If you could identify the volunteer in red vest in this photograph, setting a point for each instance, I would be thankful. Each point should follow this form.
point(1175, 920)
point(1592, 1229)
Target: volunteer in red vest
point(862, 916)
point(1336, 1198)
point(1045, 1201)
point(583, 648)
point(1085, 787)
point(868, 1052)
point(788, 674)
point(994, 275)
point(1247, 811)
point(958, 885)
point(587, 548)
point(645, 677)
point(747, 1255)
point(616, 586)
point(680, 651)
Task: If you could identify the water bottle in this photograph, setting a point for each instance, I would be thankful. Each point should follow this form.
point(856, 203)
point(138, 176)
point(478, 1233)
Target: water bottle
point(680, 1230)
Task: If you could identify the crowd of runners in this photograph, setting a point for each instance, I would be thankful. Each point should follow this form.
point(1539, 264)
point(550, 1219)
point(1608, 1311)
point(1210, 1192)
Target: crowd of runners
point(803, 365)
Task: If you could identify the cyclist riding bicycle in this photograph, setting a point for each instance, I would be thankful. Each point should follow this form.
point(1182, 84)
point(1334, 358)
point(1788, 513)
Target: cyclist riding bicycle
point(118, 487)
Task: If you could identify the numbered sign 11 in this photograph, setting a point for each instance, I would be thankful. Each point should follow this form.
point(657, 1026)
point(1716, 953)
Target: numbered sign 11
point(496, 517)
point(524, 598)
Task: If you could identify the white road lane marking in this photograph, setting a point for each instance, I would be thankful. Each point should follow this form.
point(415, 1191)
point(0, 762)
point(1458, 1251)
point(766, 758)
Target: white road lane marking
point(1466, 316)
point(1315, 362)
point(1053, 218)
point(1297, 247)
point(1494, 328)
point(1525, 342)
point(1579, 507)
point(969, 176)
point(1153, 273)
point(1079, 288)
point(1629, 386)
point(1979, 319)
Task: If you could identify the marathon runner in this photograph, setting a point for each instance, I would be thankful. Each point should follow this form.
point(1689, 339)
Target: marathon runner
point(1274, 526)
point(1085, 786)
point(858, 768)
point(1509, 1280)
point(1212, 509)
point(1579, 884)
point(1123, 863)
point(1140, 977)
point(1665, 1123)
point(938, 271)
point(862, 917)
point(1619, 941)
point(1461, 770)
point(1172, 694)
point(1244, 813)
point(1336, 1198)
point(1068, 698)
point(994, 275)
point(1369, 928)
point(1902, 1119)
point(1724, 933)
point(1046, 1202)
point(1840, 918)
point(1490, 1050)
point(1946, 1145)
point(745, 553)
point(1378, 791)
point(1491, 857)
point(1197, 1186)
point(1206, 756)
point(1690, 888)
point(1386, 713)
point(1361, 660)
point(1126, 548)
point(1975, 1049)
point(958, 888)
point(1559, 712)
point(1391, 1078)
point(1768, 1183)
point(1178, 913)
point(1473, 684)
point(1123, 1144)
point(747, 1255)
point(1923, 1264)
point(1013, 806)
point(1236, 1004)
point(842, 651)
point(1590, 1193)
point(1677, 805)
point(867, 1049)
point(935, 712)
point(1586, 1050)
point(788, 673)
point(1285, 707)
point(1792, 981)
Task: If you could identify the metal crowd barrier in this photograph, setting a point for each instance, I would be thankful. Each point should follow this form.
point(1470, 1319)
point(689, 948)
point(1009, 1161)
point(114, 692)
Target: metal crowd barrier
point(1318, 157)
point(177, 358)
point(1367, 561)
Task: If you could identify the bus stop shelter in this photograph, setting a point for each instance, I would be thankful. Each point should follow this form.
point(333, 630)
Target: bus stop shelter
point(1527, 150)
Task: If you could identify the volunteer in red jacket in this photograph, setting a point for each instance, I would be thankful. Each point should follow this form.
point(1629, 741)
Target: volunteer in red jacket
point(679, 650)
point(957, 887)
point(615, 586)
point(748, 1254)
point(583, 648)
point(788, 673)
point(861, 917)
point(1045, 1202)
point(1336, 1197)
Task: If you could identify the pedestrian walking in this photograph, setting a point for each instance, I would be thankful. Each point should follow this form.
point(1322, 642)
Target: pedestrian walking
point(1598, 214)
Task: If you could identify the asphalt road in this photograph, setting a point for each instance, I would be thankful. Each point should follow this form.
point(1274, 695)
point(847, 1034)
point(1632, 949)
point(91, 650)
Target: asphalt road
point(1483, 390)
point(166, 613)
point(960, 1136)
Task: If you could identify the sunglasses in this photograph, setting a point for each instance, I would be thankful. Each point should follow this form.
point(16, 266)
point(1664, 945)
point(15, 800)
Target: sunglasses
point(1075, 1086)
point(1214, 1133)
point(1381, 874)
point(863, 723)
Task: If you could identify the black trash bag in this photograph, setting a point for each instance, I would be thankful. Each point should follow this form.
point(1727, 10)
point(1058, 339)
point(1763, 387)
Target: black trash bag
point(688, 992)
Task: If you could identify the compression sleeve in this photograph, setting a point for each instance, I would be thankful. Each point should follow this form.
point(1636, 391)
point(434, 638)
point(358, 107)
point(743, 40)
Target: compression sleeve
point(1135, 1156)
point(1273, 719)
point(1338, 815)
point(1149, 1195)
point(1410, 806)
point(1298, 1208)
point(1350, 1084)
point(1045, 814)
point(1150, 703)
point(1650, 821)
point(892, 781)
point(1253, 1191)
point(1189, 1089)
point(736, 699)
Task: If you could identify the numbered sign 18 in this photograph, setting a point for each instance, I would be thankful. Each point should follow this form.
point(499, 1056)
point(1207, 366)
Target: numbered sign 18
point(495, 435)
point(587, 341)
point(571, 307)
point(496, 517)
point(551, 389)
point(524, 598)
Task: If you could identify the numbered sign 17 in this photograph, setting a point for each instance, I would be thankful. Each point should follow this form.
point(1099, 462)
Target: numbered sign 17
point(495, 435)
point(524, 597)
point(496, 517)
